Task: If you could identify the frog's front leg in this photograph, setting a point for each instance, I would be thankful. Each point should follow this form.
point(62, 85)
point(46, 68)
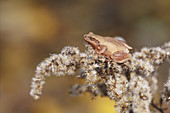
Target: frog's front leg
point(120, 56)
point(101, 49)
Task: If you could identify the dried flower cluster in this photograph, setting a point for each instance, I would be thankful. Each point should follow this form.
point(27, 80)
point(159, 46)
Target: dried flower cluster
point(128, 84)
point(166, 91)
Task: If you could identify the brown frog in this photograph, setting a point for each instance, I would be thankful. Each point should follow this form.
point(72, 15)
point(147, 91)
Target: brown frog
point(112, 48)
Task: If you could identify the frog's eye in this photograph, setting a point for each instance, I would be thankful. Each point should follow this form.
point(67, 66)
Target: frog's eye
point(94, 40)
point(91, 38)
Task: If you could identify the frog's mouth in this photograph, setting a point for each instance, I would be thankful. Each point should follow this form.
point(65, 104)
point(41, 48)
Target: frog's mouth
point(92, 41)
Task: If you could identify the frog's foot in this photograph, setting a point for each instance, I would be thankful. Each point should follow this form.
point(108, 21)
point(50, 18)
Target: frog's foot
point(120, 56)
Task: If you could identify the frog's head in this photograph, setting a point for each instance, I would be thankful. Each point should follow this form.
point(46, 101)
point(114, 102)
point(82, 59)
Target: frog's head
point(92, 39)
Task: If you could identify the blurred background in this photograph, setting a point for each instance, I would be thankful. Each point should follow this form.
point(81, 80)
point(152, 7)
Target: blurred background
point(31, 29)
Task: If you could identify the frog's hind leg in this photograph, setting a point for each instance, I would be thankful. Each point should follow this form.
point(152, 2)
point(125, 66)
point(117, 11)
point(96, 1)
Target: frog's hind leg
point(126, 45)
point(120, 56)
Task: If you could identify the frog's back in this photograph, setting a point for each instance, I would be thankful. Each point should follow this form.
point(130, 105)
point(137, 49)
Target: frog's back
point(114, 45)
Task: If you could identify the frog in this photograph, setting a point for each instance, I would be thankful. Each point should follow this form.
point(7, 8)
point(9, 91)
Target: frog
point(115, 49)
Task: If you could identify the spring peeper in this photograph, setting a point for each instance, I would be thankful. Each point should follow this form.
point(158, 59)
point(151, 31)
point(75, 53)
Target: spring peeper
point(112, 48)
